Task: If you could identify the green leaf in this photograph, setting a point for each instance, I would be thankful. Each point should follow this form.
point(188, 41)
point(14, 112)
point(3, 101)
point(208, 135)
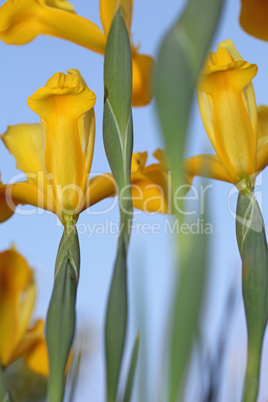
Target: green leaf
point(132, 370)
point(118, 142)
point(179, 62)
point(187, 305)
point(252, 245)
point(60, 323)
point(117, 118)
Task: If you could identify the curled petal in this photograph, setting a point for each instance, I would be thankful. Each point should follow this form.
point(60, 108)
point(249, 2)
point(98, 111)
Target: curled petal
point(234, 136)
point(61, 104)
point(108, 9)
point(22, 20)
point(254, 18)
point(206, 166)
point(142, 70)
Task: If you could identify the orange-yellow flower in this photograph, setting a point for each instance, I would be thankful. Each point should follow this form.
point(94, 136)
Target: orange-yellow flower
point(254, 18)
point(22, 20)
point(17, 299)
point(228, 109)
point(56, 157)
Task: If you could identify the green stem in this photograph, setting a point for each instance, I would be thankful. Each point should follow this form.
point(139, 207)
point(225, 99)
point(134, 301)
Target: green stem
point(252, 243)
point(251, 383)
point(60, 325)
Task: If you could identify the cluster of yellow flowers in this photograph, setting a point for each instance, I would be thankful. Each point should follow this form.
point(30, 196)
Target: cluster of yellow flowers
point(56, 155)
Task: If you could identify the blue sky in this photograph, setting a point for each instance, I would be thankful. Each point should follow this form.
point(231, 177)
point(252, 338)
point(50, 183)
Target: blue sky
point(26, 68)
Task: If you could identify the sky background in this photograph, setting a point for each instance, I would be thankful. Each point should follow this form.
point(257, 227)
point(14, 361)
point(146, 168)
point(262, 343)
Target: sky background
point(26, 68)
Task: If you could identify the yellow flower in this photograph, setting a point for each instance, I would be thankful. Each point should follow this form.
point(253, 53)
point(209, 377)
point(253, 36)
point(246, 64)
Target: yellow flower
point(17, 299)
point(228, 109)
point(56, 156)
point(254, 18)
point(22, 20)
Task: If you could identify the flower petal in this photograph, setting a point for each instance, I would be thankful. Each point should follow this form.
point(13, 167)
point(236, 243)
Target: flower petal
point(61, 104)
point(262, 125)
point(235, 139)
point(138, 161)
point(17, 298)
point(253, 18)
point(99, 188)
point(37, 358)
point(108, 9)
point(150, 189)
point(225, 55)
point(206, 166)
point(11, 195)
point(22, 20)
point(142, 80)
point(25, 143)
point(248, 91)
point(262, 152)
point(30, 339)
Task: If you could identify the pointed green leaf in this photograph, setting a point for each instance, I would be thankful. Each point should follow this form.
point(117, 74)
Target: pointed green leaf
point(179, 62)
point(252, 245)
point(60, 323)
point(118, 141)
point(187, 305)
point(117, 118)
point(132, 370)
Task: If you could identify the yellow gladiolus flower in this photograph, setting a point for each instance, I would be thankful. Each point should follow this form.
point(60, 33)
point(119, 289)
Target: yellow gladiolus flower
point(22, 20)
point(228, 109)
point(17, 299)
point(254, 18)
point(56, 156)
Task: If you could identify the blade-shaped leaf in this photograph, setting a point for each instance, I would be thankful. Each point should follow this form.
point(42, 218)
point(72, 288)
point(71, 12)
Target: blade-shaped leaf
point(179, 63)
point(132, 370)
point(118, 142)
point(252, 245)
point(178, 66)
point(187, 304)
point(60, 323)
